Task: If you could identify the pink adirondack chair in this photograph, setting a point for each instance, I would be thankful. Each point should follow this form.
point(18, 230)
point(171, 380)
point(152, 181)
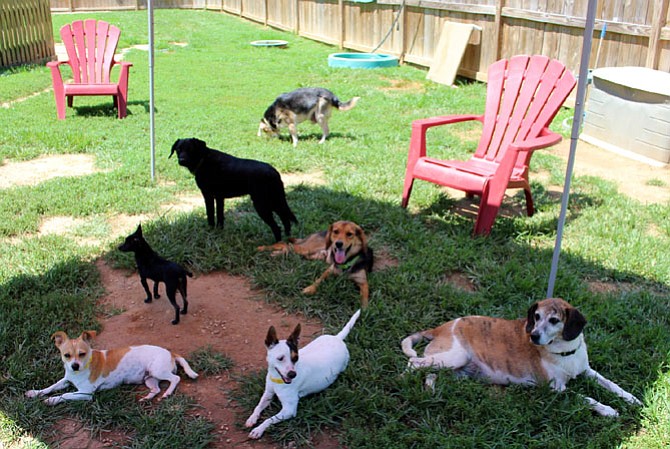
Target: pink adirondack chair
point(523, 95)
point(90, 47)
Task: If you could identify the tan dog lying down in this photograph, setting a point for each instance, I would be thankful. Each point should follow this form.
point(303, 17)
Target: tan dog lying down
point(344, 246)
point(547, 346)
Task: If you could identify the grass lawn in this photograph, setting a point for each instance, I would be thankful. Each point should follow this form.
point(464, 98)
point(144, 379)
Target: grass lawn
point(216, 88)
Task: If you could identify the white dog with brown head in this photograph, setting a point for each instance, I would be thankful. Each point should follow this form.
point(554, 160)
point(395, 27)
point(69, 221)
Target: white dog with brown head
point(548, 346)
point(90, 370)
point(293, 374)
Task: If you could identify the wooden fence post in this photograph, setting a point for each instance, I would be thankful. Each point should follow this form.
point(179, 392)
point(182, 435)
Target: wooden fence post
point(497, 27)
point(654, 48)
point(340, 4)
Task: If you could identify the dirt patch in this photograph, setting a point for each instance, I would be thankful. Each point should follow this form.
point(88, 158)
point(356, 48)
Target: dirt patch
point(634, 179)
point(226, 314)
point(46, 167)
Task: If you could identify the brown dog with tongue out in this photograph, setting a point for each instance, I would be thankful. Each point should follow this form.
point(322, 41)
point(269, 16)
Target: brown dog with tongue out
point(347, 252)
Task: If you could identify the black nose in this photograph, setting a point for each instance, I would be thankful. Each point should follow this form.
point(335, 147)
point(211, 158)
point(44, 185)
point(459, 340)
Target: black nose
point(535, 337)
point(339, 244)
point(75, 366)
point(291, 374)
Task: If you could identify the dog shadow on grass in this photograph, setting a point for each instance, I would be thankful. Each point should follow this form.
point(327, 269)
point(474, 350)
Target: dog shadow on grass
point(406, 297)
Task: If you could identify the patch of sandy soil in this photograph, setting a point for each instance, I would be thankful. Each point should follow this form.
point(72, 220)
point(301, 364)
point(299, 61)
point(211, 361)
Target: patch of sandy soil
point(46, 167)
point(631, 177)
point(224, 313)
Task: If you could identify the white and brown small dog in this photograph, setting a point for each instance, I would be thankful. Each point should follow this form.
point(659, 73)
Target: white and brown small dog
point(90, 370)
point(307, 103)
point(294, 373)
point(548, 346)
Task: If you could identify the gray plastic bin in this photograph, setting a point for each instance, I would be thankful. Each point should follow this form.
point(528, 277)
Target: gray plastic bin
point(628, 111)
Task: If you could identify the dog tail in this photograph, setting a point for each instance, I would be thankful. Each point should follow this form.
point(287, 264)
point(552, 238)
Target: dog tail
point(347, 105)
point(409, 342)
point(347, 328)
point(187, 368)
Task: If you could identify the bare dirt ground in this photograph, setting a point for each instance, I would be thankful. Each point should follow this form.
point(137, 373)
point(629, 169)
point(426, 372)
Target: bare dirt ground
point(226, 313)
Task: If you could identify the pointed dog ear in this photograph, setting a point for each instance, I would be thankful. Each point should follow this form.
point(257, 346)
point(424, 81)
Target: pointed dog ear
point(574, 324)
point(87, 336)
point(530, 319)
point(271, 338)
point(295, 335)
point(59, 337)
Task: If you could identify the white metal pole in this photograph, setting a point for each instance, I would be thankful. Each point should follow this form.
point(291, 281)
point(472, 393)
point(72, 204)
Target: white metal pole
point(152, 130)
point(574, 136)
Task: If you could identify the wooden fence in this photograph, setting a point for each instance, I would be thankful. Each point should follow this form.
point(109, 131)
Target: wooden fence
point(637, 31)
point(26, 35)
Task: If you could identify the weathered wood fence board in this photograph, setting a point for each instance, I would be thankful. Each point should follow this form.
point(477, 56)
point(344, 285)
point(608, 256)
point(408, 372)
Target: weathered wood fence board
point(26, 35)
point(637, 30)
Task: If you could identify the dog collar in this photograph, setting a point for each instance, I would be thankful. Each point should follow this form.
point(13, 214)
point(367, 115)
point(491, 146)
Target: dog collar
point(277, 380)
point(568, 353)
point(348, 264)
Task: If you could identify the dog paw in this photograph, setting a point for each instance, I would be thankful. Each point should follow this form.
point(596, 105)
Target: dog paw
point(309, 290)
point(175, 321)
point(256, 433)
point(53, 400)
point(251, 421)
point(32, 393)
point(148, 300)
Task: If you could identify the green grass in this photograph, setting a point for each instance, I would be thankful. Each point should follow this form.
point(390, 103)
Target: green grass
point(216, 88)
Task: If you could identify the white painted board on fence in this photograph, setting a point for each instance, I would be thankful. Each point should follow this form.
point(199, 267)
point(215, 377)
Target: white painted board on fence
point(449, 52)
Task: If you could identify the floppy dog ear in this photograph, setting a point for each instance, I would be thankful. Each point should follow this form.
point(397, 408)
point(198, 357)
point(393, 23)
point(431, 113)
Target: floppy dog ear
point(329, 240)
point(59, 337)
point(530, 319)
point(364, 240)
point(574, 324)
point(175, 145)
point(200, 144)
point(271, 338)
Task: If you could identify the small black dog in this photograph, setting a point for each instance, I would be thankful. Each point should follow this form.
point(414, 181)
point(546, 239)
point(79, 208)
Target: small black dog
point(152, 266)
point(220, 175)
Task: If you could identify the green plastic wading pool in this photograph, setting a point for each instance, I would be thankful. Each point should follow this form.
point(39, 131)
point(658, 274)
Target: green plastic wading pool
point(361, 60)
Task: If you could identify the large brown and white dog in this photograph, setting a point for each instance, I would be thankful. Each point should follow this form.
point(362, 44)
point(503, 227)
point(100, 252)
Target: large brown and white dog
point(307, 103)
point(548, 346)
point(90, 370)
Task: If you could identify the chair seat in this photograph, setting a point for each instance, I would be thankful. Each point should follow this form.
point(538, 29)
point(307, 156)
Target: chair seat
point(91, 89)
point(471, 175)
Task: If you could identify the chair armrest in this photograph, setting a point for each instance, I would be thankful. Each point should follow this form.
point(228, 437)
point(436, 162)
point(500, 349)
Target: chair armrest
point(426, 123)
point(56, 77)
point(417, 146)
point(546, 139)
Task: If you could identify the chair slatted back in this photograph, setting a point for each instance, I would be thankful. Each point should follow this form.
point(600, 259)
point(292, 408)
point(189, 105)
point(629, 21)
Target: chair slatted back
point(524, 94)
point(90, 47)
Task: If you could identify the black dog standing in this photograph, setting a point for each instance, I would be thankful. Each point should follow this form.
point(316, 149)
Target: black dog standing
point(220, 175)
point(154, 267)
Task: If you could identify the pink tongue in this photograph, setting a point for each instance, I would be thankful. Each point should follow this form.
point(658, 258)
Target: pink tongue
point(340, 256)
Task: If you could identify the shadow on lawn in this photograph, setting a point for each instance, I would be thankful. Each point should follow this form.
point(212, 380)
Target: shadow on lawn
point(508, 276)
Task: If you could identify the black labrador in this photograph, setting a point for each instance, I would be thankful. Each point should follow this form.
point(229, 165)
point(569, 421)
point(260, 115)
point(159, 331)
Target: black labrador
point(220, 175)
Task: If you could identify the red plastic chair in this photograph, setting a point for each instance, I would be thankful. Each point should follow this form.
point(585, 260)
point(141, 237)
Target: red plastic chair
point(90, 47)
point(523, 95)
